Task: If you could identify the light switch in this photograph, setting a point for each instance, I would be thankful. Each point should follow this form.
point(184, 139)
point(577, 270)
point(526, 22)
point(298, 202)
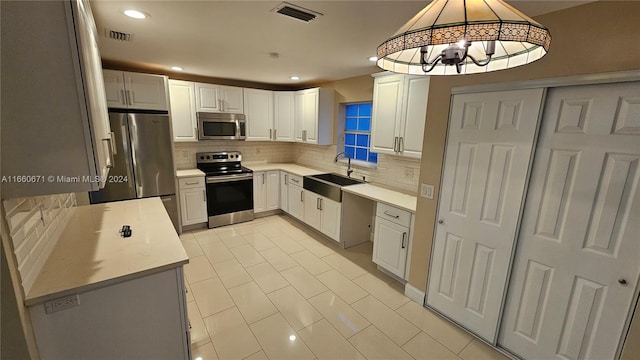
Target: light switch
point(426, 191)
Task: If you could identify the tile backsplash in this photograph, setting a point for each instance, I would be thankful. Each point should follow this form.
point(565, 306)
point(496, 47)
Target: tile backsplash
point(35, 225)
point(392, 171)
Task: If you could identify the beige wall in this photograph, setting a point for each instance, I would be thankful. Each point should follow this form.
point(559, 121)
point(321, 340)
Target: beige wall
point(593, 38)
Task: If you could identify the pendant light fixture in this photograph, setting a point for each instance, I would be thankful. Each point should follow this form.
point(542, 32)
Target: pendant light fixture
point(450, 37)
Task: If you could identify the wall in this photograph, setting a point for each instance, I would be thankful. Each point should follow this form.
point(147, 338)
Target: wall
point(252, 151)
point(597, 37)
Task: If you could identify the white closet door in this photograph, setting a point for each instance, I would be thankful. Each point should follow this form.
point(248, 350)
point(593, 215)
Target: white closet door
point(488, 154)
point(578, 243)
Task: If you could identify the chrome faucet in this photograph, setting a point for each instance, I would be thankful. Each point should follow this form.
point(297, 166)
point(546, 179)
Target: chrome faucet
point(344, 154)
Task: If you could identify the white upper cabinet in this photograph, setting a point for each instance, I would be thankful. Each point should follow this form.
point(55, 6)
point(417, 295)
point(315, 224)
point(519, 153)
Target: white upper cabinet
point(130, 90)
point(258, 109)
point(51, 63)
point(183, 110)
point(284, 115)
point(219, 98)
point(314, 116)
point(399, 114)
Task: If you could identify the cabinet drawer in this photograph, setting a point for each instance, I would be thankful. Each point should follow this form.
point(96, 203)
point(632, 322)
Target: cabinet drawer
point(191, 182)
point(393, 214)
point(295, 179)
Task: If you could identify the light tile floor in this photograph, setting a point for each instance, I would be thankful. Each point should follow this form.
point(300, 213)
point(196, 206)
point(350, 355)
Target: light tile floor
point(273, 289)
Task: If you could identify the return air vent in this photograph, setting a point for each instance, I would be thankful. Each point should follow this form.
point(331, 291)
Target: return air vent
point(296, 12)
point(118, 35)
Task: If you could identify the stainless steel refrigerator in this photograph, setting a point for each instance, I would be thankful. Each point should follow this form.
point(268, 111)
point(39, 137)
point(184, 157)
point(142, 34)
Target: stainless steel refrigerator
point(143, 161)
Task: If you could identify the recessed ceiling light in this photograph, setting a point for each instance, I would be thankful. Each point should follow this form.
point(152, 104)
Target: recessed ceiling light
point(177, 68)
point(135, 14)
point(373, 58)
point(294, 77)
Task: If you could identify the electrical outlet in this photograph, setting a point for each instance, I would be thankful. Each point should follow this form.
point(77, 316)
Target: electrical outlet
point(62, 303)
point(257, 150)
point(426, 191)
point(408, 172)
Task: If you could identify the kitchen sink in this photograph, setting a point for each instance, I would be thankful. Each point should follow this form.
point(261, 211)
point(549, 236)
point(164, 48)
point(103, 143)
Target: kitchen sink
point(328, 185)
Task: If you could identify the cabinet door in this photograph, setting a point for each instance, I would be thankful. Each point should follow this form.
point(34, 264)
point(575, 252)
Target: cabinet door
point(310, 115)
point(183, 110)
point(258, 109)
point(232, 99)
point(415, 105)
point(331, 218)
point(95, 90)
point(259, 191)
point(298, 106)
point(390, 243)
point(296, 201)
point(312, 209)
point(387, 113)
point(146, 91)
point(193, 206)
point(284, 191)
point(208, 98)
point(114, 89)
point(273, 190)
point(284, 115)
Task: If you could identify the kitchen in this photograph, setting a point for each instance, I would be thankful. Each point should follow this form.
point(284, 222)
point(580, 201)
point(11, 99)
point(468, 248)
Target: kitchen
point(428, 170)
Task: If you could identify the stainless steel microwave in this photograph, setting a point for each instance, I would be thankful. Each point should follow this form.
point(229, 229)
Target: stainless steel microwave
point(218, 126)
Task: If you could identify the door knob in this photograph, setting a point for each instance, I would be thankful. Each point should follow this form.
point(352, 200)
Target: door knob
point(622, 282)
point(440, 221)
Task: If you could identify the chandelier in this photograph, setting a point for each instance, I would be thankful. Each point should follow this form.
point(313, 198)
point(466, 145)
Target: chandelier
point(450, 37)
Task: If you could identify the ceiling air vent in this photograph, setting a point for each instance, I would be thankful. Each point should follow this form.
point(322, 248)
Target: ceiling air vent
point(118, 35)
point(296, 12)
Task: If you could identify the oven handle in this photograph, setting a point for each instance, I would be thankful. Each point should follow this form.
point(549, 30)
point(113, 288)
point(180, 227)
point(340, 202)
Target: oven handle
point(219, 179)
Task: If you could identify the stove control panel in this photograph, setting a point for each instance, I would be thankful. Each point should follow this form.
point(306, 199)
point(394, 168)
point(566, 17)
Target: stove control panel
point(218, 157)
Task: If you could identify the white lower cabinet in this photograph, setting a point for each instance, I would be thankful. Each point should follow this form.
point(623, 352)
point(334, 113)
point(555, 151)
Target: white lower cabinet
point(284, 191)
point(391, 238)
point(322, 214)
point(266, 190)
point(193, 200)
point(295, 199)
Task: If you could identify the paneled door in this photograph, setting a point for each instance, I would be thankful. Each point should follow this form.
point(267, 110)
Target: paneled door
point(578, 258)
point(488, 154)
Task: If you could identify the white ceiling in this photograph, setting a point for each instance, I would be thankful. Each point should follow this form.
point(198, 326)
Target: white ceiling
point(233, 39)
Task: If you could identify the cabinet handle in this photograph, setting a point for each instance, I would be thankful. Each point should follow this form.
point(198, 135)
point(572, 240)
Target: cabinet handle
point(301, 196)
point(320, 203)
point(295, 180)
point(275, 134)
point(304, 135)
point(110, 147)
point(392, 215)
point(401, 144)
point(270, 134)
point(285, 179)
point(124, 98)
point(395, 144)
point(129, 97)
point(262, 178)
point(404, 239)
point(204, 195)
point(191, 183)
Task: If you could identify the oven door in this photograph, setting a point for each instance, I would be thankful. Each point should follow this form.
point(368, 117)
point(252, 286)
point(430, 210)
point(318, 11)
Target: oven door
point(229, 199)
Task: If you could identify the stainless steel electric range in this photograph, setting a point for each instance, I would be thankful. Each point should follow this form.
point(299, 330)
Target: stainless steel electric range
point(229, 187)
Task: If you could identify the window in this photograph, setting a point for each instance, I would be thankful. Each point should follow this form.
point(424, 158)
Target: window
point(357, 132)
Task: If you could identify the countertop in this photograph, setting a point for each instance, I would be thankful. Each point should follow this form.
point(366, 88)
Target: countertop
point(288, 167)
point(91, 253)
point(389, 197)
point(189, 173)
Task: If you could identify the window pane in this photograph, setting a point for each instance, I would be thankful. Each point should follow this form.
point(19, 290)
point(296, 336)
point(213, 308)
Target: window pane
point(363, 140)
point(352, 110)
point(349, 139)
point(364, 124)
point(361, 154)
point(349, 150)
point(365, 110)
point(373, 157)
point(350, 124)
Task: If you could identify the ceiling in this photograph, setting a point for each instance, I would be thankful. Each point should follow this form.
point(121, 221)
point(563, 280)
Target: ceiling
point(235, 39)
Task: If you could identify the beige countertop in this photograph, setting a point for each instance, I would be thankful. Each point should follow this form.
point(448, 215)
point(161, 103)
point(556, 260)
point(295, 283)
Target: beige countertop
point(91, 253)
point(189, 173)
point(390, 197)
point(288, 167)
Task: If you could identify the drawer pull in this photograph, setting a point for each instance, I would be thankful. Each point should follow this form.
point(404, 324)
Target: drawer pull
point(191, 183)
point(392, 215)
point(295, 180)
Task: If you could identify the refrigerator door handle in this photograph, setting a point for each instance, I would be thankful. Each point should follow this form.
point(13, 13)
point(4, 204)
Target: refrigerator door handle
point(114, 148)
point(110, 151)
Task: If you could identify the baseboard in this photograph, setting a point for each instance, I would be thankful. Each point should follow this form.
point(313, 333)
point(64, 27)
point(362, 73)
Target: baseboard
point(414, 294)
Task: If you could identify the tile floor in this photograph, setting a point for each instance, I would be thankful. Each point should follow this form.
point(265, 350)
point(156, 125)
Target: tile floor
point(273, 289)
